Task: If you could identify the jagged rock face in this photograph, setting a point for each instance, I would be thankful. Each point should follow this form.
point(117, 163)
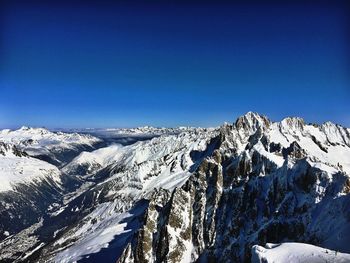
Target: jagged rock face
point(234, 201)
point(6, 147)
point(203, 196)
point(251, 122)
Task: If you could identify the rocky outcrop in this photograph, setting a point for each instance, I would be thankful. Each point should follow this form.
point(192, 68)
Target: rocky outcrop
point(169, 234)
point(7, 147)
point(234, 201)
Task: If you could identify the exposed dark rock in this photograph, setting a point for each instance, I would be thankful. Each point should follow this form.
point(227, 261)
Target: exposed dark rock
point(294, 150)
point(319, 144)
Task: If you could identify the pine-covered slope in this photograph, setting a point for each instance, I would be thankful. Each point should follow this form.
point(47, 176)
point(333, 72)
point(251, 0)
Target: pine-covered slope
point(208, 195)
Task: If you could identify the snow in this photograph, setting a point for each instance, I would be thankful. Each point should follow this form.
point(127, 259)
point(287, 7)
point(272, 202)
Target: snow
point(166, 180)
point(15, 169)
point(108, 225)
point(162, 162)
point(39, 140)
point(33, 250)
point(176, 242)
point(165, 162)
point(100, 157)
point(338, 153)
point(34, 141)
point(144, 160)
point(277, 159)
point(296, 253)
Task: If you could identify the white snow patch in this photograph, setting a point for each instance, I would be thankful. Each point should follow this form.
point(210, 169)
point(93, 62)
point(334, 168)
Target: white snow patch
point(296, 253)
point(94, 236)
point(15, 169)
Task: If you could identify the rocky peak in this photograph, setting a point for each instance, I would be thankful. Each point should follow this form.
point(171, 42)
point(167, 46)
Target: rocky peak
point(293, 123)
point(5, 148)
point(336, 133)
point(294, 151)
point(252, 121)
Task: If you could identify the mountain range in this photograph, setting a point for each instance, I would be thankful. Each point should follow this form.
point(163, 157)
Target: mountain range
point(249, 191)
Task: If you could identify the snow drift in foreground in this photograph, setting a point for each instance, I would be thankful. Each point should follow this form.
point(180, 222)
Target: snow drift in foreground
point(296, 253)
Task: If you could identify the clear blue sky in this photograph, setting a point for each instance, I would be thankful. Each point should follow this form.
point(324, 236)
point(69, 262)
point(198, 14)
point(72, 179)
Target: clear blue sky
point(98, 64)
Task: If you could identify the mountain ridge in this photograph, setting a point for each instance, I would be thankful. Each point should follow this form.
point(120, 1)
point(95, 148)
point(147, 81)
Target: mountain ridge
point(199, 195)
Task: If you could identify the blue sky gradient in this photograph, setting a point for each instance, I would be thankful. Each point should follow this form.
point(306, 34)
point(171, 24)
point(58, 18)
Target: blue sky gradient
point(100, 64)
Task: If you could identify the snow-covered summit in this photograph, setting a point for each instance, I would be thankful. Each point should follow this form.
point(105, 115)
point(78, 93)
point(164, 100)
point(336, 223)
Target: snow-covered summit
point(327, 144)
point(44, 138)
point(292, 123)
point(251, 121)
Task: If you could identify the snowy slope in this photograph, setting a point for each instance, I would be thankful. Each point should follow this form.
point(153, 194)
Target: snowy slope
point(99, 232)
point(162, 162)
point(88, 162)
point(328, 144)
point(296, 253)
point(16, 167)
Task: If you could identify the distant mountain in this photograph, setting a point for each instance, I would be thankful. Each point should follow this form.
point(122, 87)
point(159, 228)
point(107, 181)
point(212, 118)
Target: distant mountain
point(192, 194)
point(54, 147)
point(145, 130)
point(151, 130)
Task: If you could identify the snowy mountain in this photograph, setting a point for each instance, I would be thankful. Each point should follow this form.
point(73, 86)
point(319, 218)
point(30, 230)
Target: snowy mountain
point(211, 195)
point(145, 130)
point(30, 177)
point(127, 136)
point(54, 147)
